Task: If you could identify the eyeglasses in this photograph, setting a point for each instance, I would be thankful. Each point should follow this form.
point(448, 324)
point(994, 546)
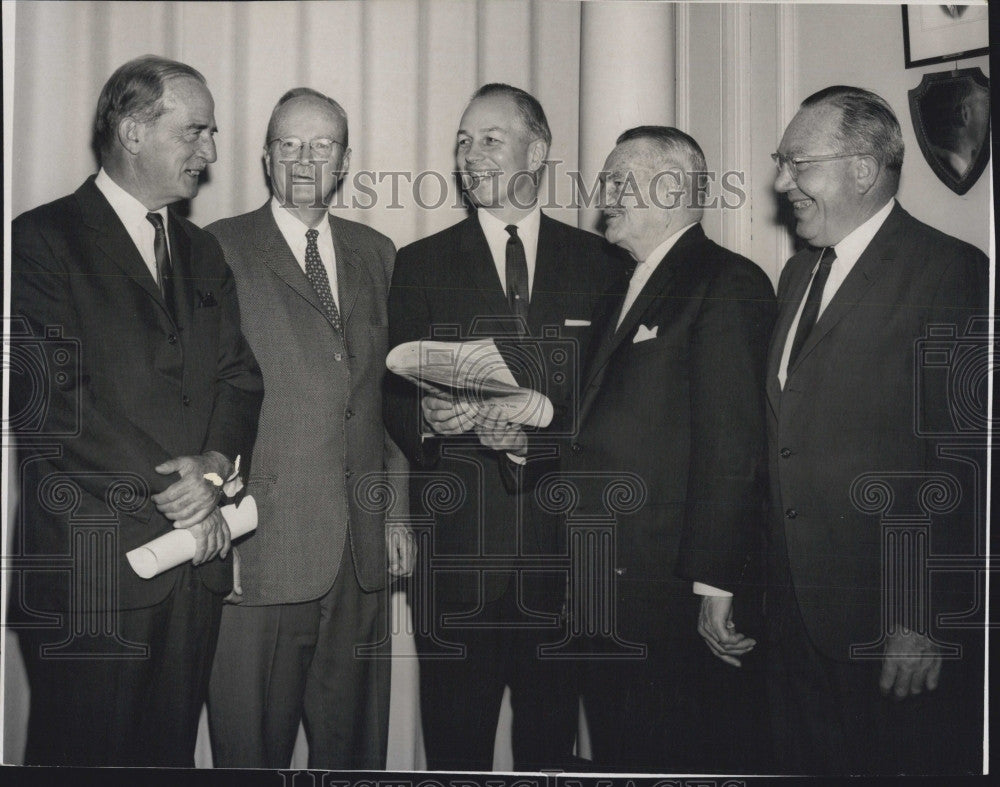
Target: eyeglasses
point(290, 147)
point(795, 162)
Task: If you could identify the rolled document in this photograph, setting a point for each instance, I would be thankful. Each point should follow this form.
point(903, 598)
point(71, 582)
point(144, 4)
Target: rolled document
point(178, 546)
point(474, 373)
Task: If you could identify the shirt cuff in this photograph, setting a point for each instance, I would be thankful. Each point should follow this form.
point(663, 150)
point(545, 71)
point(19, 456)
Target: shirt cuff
point(518, 460)
point(701, 589)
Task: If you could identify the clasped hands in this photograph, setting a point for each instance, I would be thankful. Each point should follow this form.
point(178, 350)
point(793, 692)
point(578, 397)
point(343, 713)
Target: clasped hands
point(454, 417)
point(192, 502)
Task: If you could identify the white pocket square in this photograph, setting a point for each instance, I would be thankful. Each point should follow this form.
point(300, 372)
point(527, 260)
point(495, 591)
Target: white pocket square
point(644, 334)
point(576, 323)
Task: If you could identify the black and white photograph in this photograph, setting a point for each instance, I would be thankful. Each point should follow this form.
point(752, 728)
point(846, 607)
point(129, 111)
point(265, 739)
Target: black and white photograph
point(433, 393)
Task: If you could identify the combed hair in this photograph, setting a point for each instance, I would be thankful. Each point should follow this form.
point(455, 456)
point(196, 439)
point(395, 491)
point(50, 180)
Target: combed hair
point(531, 112)
point(867, 125)
point(673, 142)
point(297, 92)
point(135, 90)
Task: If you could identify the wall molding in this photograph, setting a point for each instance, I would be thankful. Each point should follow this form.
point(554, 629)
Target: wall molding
point(786, 45)
point(682, 67)
point(735, 117)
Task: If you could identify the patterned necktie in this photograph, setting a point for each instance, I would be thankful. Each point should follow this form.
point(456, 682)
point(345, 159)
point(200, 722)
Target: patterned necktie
point(810, 312)
point(164, 271)
point(517, 274)
point(316, 274)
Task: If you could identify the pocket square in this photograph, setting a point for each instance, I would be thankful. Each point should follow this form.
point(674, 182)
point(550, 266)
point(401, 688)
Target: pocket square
point(206, 299)
point(568, 323)
point(644, 334)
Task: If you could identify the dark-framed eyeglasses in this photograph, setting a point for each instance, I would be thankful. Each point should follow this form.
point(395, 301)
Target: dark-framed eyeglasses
point(794, 163)
point(290, 147)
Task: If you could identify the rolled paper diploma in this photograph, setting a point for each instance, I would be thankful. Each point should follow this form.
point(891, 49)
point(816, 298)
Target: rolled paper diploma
point(178, 546)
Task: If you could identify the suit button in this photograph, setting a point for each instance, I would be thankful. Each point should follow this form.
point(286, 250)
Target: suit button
point(338, 356)
point(620, 572)
point(577, 448)
point(186, 400)
point(348, 414)
point(172, 339)
point(785, 453)
point(791, 513)
point(348, 473)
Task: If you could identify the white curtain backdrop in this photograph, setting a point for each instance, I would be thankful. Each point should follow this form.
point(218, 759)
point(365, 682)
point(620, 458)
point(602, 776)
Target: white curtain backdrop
point(403, 71)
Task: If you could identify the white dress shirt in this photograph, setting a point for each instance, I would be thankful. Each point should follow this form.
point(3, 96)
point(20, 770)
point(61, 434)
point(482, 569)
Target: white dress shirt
point(848, 251)
point(133, 215)
point(497, 236)
point(645, 269)
point(293, 230)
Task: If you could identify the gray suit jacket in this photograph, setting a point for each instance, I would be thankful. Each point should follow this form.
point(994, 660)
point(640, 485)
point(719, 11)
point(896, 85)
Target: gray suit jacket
point(320, 444)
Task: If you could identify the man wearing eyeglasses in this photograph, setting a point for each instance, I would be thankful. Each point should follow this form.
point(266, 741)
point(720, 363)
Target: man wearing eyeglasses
point(312, 580)
point(856, 658)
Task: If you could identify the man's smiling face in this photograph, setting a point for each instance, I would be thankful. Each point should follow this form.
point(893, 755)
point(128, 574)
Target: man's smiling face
point(825, 197)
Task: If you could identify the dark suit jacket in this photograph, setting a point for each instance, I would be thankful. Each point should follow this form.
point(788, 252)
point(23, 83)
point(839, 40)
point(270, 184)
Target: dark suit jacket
point(684, 412)
point(321, 427)
point(135, 389)
point(848, 408)
point(446, 286)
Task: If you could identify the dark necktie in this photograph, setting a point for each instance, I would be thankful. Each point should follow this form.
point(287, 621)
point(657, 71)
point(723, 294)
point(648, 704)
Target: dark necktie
point(164, 271)
point(810, 311)
point(316, 274)
point(517, 274)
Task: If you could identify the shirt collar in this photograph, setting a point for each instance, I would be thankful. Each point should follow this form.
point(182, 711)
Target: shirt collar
point(527, 227)
point(856, 241)
point(655, 257)
point(127, 207)
point(292, 227)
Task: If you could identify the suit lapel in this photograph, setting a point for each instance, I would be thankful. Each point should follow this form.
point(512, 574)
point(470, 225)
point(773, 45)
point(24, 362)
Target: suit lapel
point(798, 282)
point(112, 239)
point(183, 270)
point(277, 255)
point(652, 292)
point(348, 273)
point(863, 275)
point(476, 264)
point(550, 280)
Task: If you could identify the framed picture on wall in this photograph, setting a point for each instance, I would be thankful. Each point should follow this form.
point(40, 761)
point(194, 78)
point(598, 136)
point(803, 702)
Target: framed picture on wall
point(940, 33)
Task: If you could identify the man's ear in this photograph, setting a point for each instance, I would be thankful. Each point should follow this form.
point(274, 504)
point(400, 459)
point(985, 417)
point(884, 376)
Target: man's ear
point(130, 134)
point(267, 163)
point(866, 170)
point(537, 151)
point(345, 163)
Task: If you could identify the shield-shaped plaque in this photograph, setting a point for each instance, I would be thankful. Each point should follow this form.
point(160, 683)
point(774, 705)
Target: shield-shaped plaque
point(951, 118)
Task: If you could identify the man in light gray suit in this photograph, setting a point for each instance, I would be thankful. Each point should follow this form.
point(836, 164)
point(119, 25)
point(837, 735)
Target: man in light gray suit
point(312, 580)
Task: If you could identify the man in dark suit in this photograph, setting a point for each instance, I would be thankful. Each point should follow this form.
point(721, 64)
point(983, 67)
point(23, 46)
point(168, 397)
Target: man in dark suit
point(673, 396)
point(508, 272)
point(849, 411)
point(141, 430)
point(312, 582)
